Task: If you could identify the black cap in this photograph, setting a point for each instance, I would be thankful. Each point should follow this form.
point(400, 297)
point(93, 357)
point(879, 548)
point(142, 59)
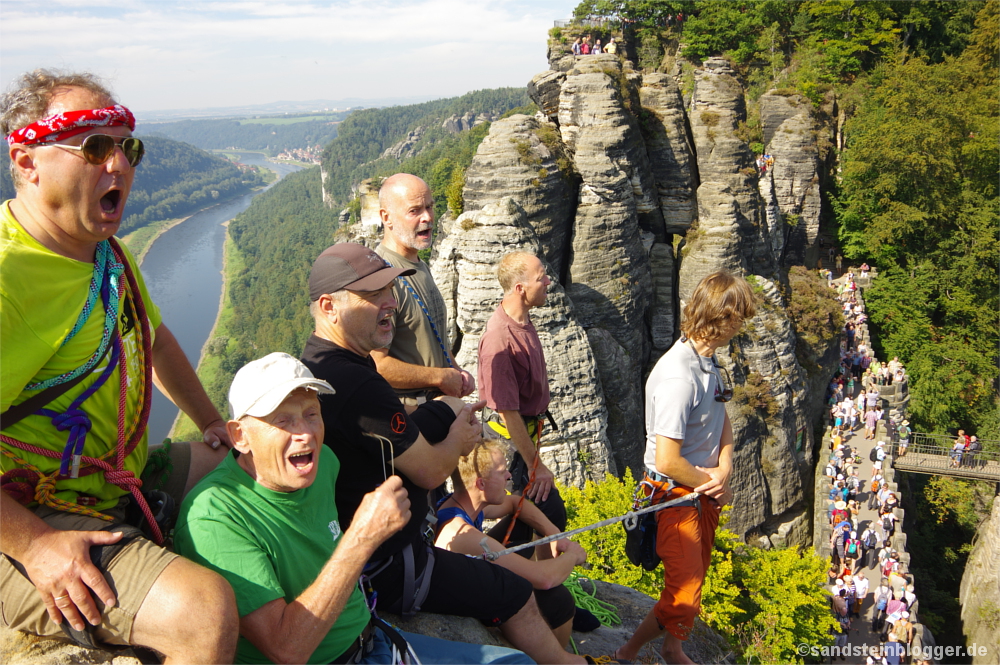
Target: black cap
point(348, 265)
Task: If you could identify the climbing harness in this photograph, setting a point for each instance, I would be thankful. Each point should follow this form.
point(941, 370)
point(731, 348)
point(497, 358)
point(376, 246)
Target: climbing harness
point(640, 535)
point(29, 483)
point(420, 301)
point(630, 517)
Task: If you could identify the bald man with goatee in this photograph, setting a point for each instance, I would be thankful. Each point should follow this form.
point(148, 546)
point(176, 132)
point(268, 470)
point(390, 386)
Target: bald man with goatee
point(418, 364)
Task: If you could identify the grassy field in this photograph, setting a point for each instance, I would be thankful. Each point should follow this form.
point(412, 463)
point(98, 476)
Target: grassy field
point(208, 368)
point(330, 117)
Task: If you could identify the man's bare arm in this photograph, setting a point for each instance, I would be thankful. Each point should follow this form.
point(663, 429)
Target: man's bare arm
point(718, 486)
point(404, 376)
point(57, 562)
point(174, 376)
point(290, 632)
point(669, 462)
point(518, 431)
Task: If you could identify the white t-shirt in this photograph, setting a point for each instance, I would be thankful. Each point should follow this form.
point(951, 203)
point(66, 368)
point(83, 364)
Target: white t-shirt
point(861, 587)
point(680, 404)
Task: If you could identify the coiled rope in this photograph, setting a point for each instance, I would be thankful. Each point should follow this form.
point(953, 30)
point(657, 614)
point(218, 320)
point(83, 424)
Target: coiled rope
point(605, 612)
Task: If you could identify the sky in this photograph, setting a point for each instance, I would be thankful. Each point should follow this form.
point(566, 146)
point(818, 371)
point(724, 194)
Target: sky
point(167, 54)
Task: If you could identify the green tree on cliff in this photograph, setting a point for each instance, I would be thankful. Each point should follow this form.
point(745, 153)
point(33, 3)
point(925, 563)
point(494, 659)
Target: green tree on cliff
point(919, 197)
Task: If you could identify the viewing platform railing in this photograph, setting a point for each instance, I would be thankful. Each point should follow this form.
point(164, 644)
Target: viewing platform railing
point(933, 454)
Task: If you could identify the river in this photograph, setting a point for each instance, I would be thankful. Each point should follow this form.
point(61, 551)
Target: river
point(183, 271)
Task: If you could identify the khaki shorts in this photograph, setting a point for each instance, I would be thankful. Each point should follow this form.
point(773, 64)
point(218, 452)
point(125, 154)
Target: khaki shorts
point(131, 573)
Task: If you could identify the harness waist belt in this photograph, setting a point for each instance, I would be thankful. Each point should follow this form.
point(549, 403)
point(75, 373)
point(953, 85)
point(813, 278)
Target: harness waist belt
point(669, 484)
point(360, 647)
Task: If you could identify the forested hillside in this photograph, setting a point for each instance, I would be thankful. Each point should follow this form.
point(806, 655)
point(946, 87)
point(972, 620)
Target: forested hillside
point(272, 135)
point(358, 151)
point(267, 307)
point(919, 198)
point(176, 179)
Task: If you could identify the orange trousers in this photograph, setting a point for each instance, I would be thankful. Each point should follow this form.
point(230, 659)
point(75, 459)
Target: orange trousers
point(684, 540)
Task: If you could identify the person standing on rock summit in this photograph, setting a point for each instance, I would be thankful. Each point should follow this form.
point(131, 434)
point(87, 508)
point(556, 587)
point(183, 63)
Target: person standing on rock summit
point(418, 363)
point(689, 448)
point(81, 344)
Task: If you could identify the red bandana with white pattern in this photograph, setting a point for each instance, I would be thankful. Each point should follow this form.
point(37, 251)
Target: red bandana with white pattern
point(70, 123)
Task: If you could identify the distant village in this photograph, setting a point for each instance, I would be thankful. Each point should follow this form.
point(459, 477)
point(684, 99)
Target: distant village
point(310, 155)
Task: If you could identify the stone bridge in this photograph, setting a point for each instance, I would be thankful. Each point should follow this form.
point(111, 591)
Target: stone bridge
point(932, 454)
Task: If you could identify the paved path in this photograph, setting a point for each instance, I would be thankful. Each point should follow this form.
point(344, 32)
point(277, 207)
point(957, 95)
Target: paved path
point(860, 628)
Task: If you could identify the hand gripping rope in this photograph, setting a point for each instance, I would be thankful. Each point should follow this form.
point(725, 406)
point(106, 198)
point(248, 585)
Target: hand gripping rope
point(630, 518)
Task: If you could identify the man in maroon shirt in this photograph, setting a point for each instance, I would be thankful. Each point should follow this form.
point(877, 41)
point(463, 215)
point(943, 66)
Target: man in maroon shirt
point(514, 382)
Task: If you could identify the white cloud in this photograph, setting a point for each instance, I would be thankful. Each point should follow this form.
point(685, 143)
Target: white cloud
point(197, 54)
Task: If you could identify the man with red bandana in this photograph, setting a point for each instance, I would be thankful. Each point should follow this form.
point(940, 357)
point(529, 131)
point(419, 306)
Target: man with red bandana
point(81, 345)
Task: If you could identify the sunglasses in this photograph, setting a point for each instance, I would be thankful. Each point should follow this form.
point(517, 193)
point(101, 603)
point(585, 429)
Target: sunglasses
point(726, 389)
point(98, 148)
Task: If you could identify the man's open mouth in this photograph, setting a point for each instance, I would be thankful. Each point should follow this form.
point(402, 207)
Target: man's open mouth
point(301, 461)
point(385, 322)
point(110, 201)
point(424, 234)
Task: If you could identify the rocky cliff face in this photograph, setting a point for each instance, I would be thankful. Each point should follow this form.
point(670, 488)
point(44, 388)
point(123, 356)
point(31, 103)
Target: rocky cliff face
point(792, 135)
point(732, 233)
point(980, 590)
point(632, 196)
point(464, 270)
point(653, 168)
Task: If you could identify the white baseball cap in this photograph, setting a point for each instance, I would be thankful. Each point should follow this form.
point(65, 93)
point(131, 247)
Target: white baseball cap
point(262, 385)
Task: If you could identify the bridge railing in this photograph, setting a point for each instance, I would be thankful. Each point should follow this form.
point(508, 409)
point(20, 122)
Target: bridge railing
point(932, 453)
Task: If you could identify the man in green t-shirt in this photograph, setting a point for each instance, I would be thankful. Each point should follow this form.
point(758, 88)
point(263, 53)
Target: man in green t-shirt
point(81, 344)
point(267, 521)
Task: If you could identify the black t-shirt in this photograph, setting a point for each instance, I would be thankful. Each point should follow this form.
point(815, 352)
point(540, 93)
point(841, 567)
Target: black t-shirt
point(364, 408)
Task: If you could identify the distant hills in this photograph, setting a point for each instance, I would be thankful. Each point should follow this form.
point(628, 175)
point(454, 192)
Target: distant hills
point(296, 107)
point(275, 135)
point(435, 140)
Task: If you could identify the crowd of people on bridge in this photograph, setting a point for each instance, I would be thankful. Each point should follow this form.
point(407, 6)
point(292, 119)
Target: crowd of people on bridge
point(858, 544)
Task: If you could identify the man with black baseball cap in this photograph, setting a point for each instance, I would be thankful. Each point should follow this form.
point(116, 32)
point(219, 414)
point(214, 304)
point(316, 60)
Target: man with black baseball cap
point(374, 437)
